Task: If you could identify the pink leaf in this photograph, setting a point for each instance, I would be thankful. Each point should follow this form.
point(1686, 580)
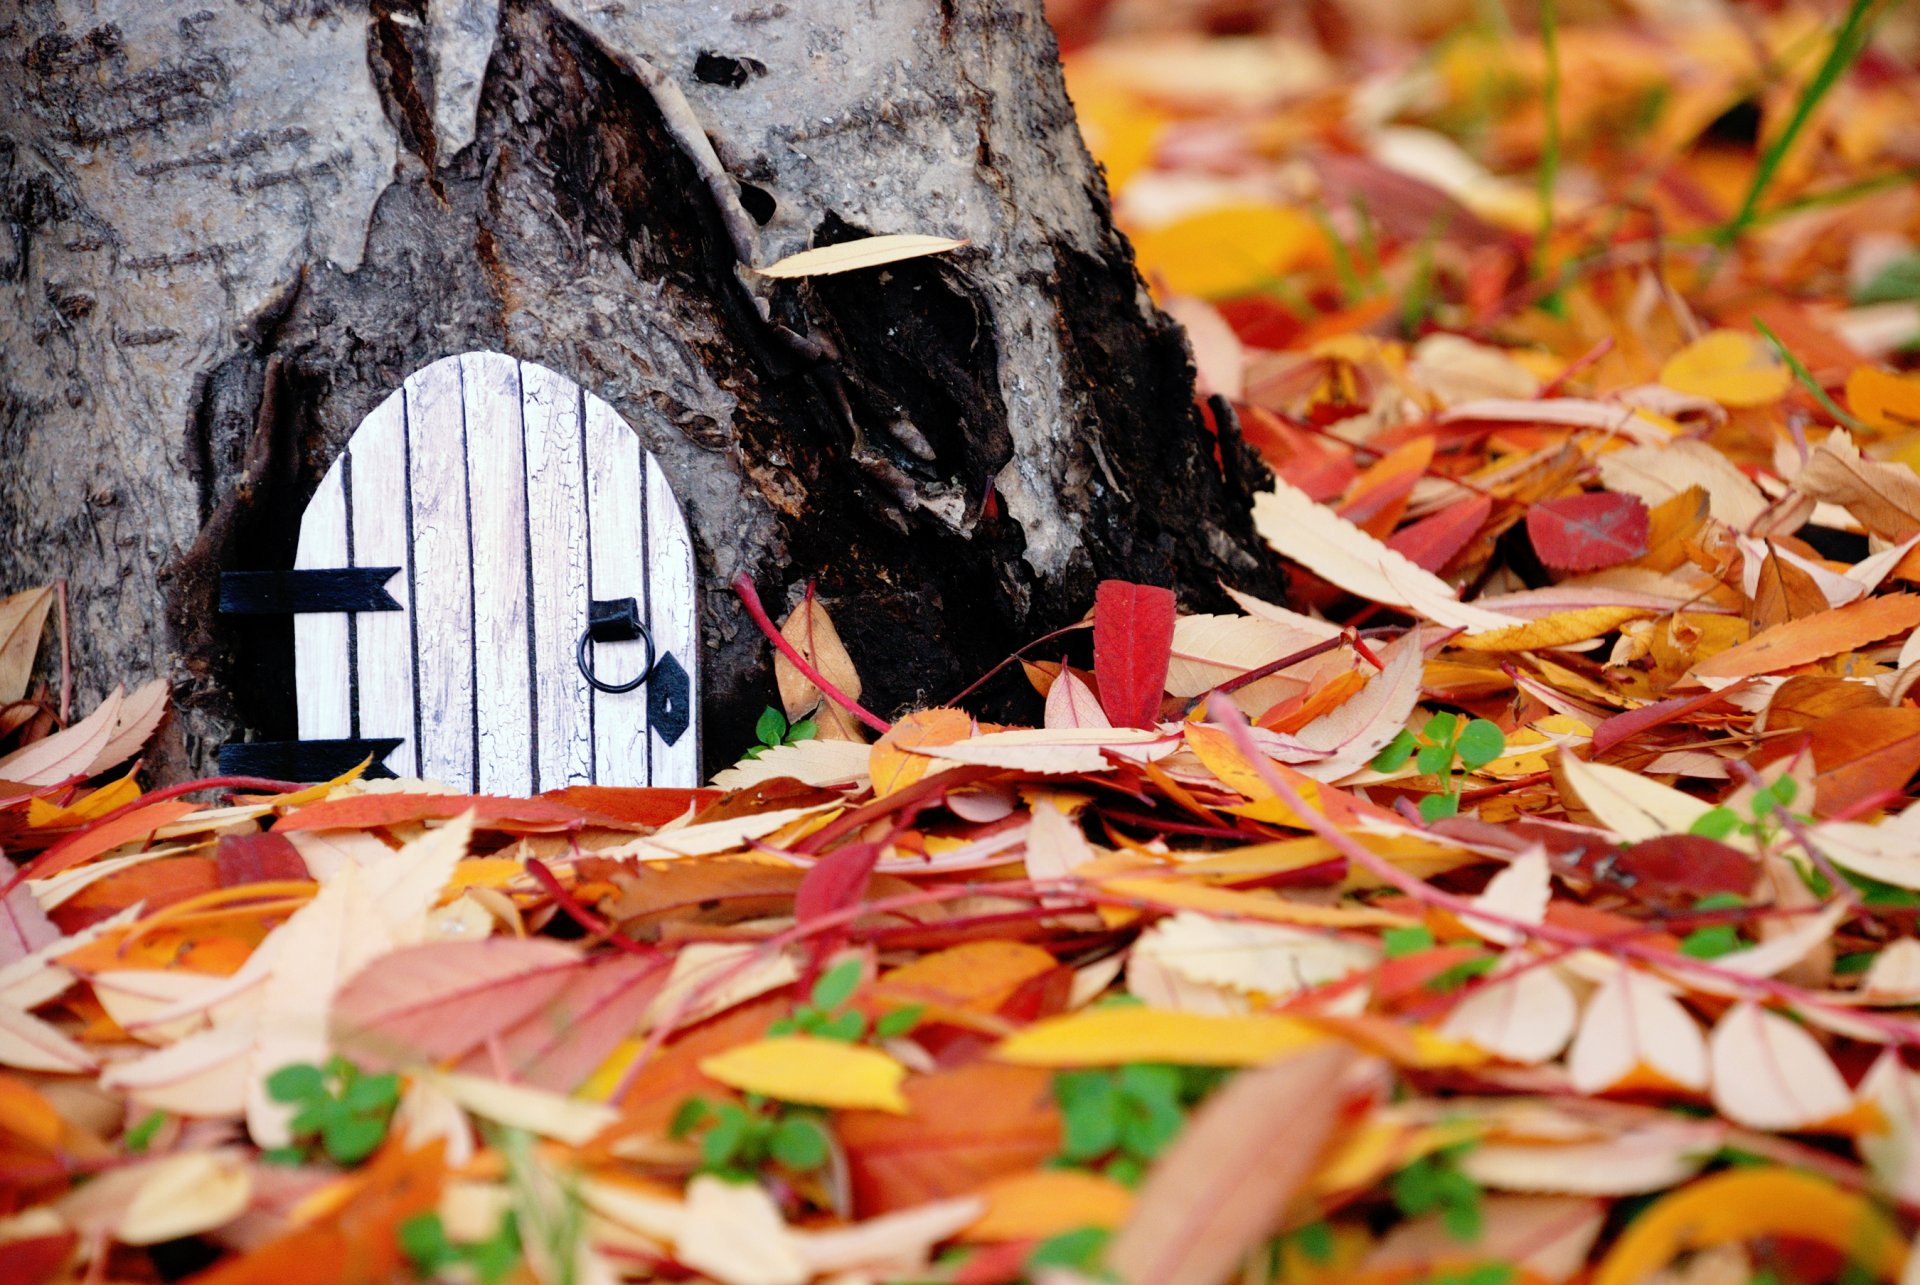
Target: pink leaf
point(836, 881)
point(560, 1043)
point(1589, 531)
point(1071, 703)
point(441, 1000)
point(1132, 648)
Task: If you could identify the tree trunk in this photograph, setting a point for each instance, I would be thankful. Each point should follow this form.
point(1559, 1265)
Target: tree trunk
point(227, 230)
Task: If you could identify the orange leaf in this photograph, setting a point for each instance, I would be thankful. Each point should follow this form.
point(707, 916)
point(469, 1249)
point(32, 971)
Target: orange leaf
point(1034, 1206)
point(1815, 637)
point(1884, 400)
point(894, 766)
point(1862, 754)
point(964, 1128)
point(134, 827)
point(1744, 1204)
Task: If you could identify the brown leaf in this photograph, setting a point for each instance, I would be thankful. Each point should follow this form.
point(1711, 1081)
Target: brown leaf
point(1224, 1185)
point(1806, 699)
point(1785, 593)
point(811, 631)
point(22, 618)
point(1884, 497)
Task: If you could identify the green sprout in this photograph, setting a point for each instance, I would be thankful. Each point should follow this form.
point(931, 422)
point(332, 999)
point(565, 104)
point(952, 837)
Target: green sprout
point(1436, 1184)
point(1445, 738)
point(774, 730)
point(423, 1238)
point(739, 1139)
point(1118, 1121)
point(340, 1111)
point(825, 1017)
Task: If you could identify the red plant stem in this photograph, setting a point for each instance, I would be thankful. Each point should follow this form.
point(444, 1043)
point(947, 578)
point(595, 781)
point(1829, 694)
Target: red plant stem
point(576, 911)
point(1252, 676)
point(977, 683)
point(1592, 355)
point(750, 598)
point(1228, 717)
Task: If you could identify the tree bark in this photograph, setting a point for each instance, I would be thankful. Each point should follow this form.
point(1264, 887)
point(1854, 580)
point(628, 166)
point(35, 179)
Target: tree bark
point(227, 230)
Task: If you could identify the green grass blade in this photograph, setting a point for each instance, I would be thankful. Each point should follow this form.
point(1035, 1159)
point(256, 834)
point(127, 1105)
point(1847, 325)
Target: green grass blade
point(1808, 382)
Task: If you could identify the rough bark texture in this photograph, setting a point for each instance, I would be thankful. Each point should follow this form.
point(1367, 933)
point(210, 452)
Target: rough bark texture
point(228, 229)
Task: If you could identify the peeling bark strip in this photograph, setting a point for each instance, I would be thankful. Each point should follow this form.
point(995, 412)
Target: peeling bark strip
point(342, 193)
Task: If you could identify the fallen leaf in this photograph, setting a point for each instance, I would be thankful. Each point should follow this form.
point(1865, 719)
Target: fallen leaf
point(1732, 367)
point(866, 252)
point(1132, 647)
point(23, 617)
point(1114, 1036)
point(1816, 637)
point(1769, 1073)
point(1746, 1204)
point(1224, 1186)
point(812, 1072)
point(810, 629)
point(1589, 531)
point(1634, 1029)
point(1047, 1202)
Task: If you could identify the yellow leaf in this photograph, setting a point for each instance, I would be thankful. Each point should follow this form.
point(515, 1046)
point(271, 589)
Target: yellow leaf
point(42, 815)
point(185, 1194)
point(1743, 1204)
point(1046, 1202)
point(868, 252)
point(1117, 1035)
point(1884, 400)
point(1556, 630)
point(1731, 367)
point(812, 1072)
point(1232, 250)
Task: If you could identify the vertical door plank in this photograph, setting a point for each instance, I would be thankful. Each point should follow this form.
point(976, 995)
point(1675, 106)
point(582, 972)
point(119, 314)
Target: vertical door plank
point(617, 568)
point(443, 634)
point(383, 640)
point(322, 665)
point(674, 621)
point(557, 516)
point(497, 496)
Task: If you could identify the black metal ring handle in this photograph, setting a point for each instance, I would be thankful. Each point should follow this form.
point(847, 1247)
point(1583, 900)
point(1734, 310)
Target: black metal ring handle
point(586, 666)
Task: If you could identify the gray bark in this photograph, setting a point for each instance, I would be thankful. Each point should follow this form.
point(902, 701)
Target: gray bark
point(229, 228)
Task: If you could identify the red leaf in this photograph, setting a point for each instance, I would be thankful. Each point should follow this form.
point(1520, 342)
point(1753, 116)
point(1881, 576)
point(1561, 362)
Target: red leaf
point(1432, 541)
point(1625, 726)
point(1132, 647)
point(1685, 867)
point(257, 857)
point(837, 880)
point(1589, 531)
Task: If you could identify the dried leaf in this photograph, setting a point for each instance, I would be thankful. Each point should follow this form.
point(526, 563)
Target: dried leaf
point(1632, 806)
point(1343, 555)
point(1115, 1036)
point(1634, 1029)
point(1732, 367)
point(1132, 646)
point(811, 631)
point(1769, 1073)
point(66, 753)
point(1816, 637)
point(1884, 497)
point(1746, 1204)
point(1225, 1184)
point(813, 1072)
point(23, 617)
point(1589, 531)
point(867, 252)
point(1047, 1202)
point(1071, 703)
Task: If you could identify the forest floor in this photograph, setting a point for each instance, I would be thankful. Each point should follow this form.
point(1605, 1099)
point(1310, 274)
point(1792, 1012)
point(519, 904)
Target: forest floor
point(1532, 898)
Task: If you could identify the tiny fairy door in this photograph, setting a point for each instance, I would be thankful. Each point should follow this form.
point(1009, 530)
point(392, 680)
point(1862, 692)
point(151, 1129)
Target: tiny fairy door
point(537, 565)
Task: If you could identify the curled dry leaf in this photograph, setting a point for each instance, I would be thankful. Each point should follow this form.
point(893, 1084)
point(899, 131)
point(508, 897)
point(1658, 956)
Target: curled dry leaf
point(867, 252)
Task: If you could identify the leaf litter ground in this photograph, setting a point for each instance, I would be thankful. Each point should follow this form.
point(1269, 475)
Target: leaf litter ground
point(1532, 898)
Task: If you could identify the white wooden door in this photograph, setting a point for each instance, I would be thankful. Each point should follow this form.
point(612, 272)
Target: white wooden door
point(510, 499)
